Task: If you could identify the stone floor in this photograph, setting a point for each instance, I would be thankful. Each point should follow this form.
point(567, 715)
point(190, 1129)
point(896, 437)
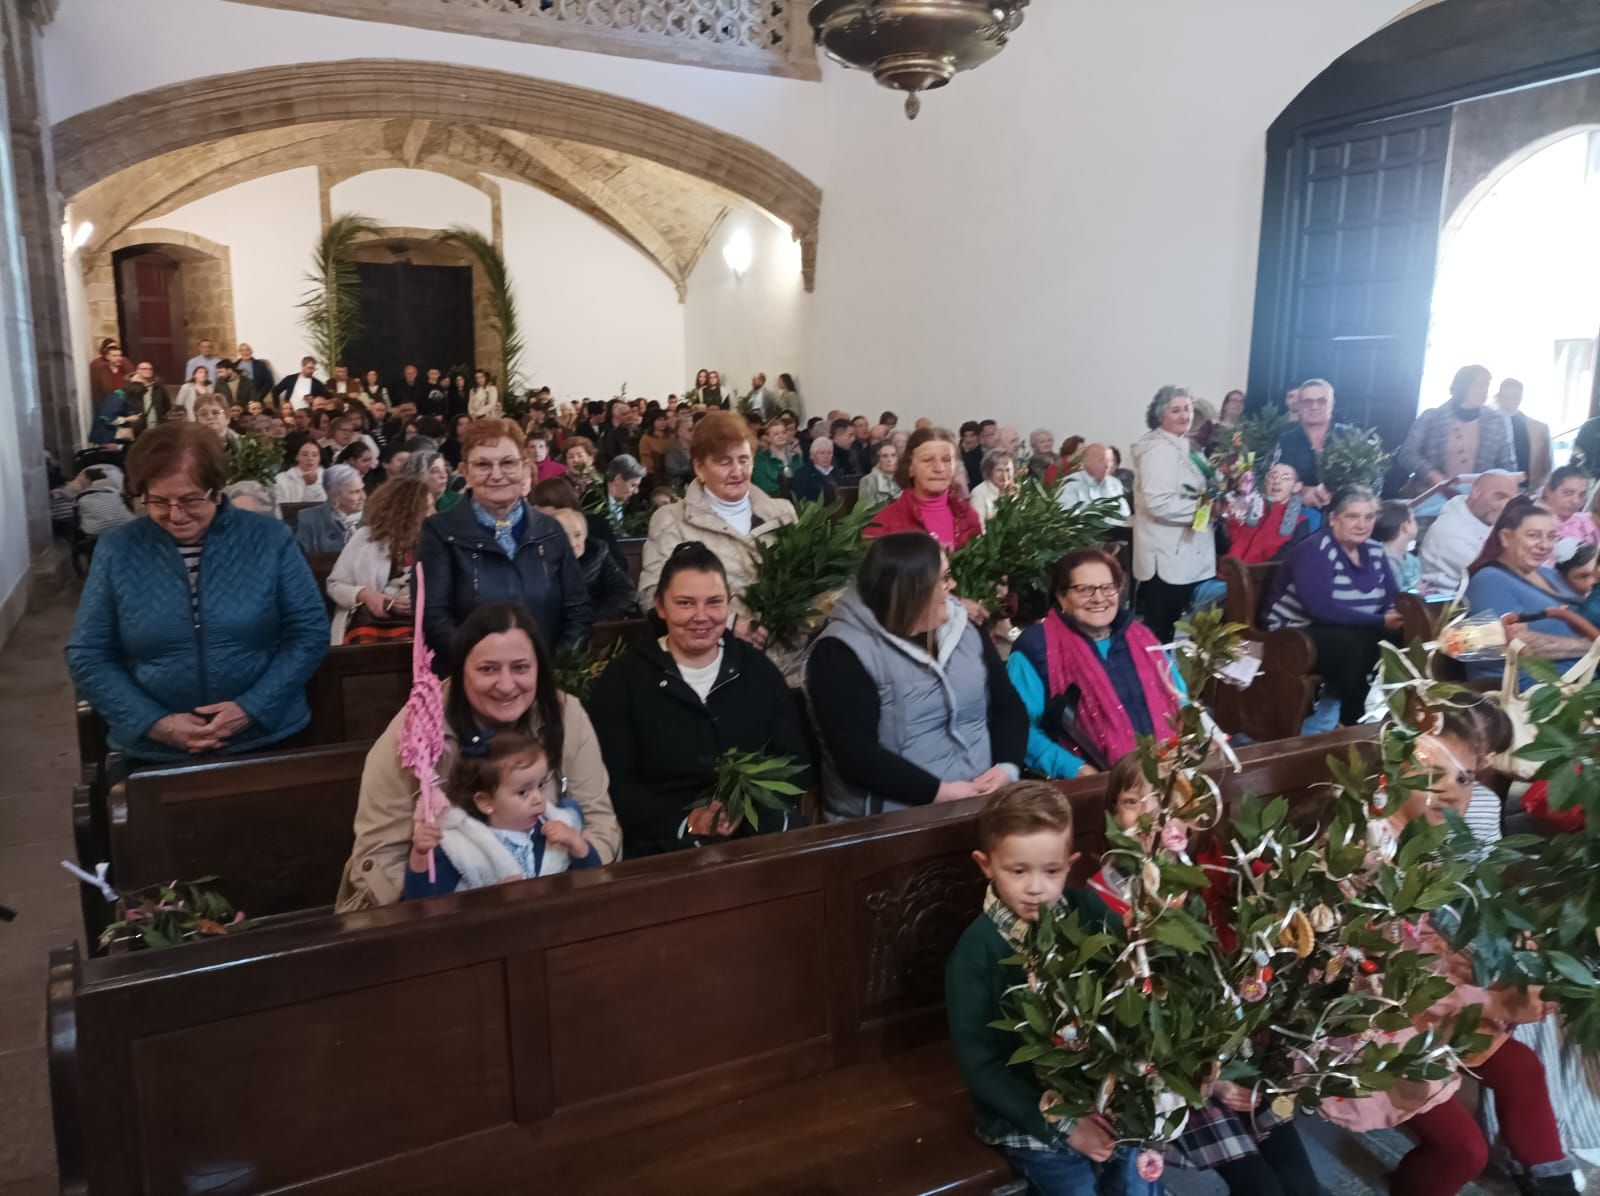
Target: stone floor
point(38, 754)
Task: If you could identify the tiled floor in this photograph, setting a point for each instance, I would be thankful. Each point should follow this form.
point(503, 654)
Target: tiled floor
point(38, 754)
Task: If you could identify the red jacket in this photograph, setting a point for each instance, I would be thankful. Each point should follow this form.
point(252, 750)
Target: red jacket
point(902, 515)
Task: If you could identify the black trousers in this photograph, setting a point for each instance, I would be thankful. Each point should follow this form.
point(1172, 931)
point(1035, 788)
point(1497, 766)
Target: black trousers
point(1282, 1168)
point(1346, 659)
point(1161, 604)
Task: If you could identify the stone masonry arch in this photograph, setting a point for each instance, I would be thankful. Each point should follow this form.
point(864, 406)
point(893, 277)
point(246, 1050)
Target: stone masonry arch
point(96, 144)
point(204, 266)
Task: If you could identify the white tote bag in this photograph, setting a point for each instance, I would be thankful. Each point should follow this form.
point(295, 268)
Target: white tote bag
point(1515, 703)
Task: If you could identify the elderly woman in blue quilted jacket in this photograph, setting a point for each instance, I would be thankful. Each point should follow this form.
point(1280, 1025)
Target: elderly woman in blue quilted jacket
point(201, 623)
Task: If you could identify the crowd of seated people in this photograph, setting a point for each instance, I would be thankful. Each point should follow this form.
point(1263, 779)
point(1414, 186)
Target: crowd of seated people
point(725, 469)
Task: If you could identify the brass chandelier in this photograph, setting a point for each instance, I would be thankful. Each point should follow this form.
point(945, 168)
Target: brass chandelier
point(914, 45)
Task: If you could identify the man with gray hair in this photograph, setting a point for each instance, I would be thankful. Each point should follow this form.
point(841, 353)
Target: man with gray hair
point(328, 528)
point(1303, 443)
point(1095, 481)
point(623, 477)
point(252, 496)
point(1457, 536)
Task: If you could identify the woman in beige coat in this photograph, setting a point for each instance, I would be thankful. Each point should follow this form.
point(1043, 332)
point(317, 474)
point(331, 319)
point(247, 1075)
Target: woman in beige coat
point(722, 510)
point(502, 680)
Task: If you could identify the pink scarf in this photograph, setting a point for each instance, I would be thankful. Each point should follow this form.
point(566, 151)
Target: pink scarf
point(1073, 660)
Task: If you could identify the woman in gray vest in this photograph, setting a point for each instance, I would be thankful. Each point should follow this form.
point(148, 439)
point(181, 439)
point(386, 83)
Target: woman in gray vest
point(910, 699)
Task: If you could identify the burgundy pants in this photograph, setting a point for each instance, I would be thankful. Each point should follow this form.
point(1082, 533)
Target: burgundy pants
point(1452, 1152)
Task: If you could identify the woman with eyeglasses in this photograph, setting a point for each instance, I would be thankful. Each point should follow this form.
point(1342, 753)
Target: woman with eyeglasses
point(910, 699)
point(1510, 577)
point(200, 624)
point(496, 547)
point(1091, 676)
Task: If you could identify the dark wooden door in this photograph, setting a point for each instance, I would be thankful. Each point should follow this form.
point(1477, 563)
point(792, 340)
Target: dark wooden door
point(1358, 281)
point(150, 312)
point(416, 314)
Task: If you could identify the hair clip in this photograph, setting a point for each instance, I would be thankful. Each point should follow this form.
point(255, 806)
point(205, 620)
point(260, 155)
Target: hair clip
point(478, 749)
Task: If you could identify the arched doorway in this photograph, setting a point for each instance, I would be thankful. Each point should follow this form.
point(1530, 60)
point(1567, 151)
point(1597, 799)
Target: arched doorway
point(1359, 168)
point(161, 292)
point(1506, 293)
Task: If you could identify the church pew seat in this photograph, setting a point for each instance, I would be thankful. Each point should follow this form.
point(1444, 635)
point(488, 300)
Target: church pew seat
point(633, 553)
point(792, 1041)
point(274, 826)
point(1277, 702)
point(289, 512)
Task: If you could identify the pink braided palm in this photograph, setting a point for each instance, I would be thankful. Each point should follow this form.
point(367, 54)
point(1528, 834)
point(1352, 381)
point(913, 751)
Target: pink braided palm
point(422, 736)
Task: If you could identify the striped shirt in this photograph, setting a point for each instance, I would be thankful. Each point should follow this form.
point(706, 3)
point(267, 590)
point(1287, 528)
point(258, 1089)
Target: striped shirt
point(1319, 583)
point(191, 561)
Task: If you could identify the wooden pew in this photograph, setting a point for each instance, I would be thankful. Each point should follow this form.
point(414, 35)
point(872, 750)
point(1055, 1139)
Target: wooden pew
point(289, 512)
point(791, 1041)
point(1277, 702)
point(276, 828)
point(357, 690)
point(633, 553)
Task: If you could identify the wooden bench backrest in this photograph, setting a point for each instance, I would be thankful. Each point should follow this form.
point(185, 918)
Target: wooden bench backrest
point(289, 512)
point(276, 827)
point(633, 552)
point(307, 1052)
point(357, 690)
point(1247, 586)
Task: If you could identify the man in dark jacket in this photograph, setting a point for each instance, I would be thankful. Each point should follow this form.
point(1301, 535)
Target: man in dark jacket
point(297, 390)
point(495, 547)
point(412, 389)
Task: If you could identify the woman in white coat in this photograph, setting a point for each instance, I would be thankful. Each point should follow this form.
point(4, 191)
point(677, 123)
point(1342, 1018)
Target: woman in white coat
point(302, 481)
point(370, 584)
point(1170, 557)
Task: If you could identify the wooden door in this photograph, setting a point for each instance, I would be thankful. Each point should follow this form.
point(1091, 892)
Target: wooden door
point(150, 312)
point(1363, 234)
point(416, 314)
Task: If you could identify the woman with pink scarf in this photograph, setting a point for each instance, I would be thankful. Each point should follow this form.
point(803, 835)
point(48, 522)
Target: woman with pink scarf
point(1091, 676)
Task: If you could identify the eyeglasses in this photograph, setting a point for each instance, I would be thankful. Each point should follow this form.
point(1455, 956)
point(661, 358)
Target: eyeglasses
point(506, 465)
point(189, 504)
point(1109, 590)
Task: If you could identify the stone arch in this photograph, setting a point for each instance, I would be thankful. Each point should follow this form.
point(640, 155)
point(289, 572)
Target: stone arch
point(1458, 208)
point(204, 266)
point(95, 144)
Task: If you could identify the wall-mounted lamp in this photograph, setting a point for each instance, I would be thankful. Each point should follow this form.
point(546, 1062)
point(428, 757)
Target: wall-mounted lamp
point(739, 252)
point(76, 238)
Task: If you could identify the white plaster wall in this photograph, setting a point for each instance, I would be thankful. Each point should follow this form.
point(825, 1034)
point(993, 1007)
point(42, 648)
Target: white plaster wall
point(413, 199)
point(739, 325)
point(270, 226)
point(83, 70)
point(1073, 225)
point(595, 311)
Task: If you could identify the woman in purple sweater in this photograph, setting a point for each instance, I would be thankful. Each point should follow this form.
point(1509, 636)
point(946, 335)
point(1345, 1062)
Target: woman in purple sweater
point(1337, 587)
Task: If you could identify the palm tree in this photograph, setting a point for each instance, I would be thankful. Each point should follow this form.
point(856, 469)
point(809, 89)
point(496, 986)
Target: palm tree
point(502, 303)
point(332, 307)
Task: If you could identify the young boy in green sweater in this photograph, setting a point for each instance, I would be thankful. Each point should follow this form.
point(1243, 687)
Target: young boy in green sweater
point(1025, 850)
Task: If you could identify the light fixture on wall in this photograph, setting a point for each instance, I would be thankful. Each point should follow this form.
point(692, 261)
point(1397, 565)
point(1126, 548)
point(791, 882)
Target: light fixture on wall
point(914, 45)
point(74, 239)
point(739, 252)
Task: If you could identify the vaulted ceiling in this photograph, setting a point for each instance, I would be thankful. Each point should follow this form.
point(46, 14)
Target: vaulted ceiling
point(667, 214)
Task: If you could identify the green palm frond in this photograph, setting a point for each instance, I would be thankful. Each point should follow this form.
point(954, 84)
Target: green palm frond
point(332, 306)
point(502, 302)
